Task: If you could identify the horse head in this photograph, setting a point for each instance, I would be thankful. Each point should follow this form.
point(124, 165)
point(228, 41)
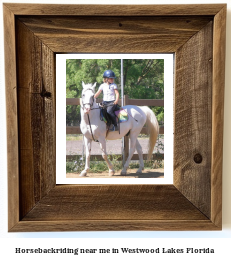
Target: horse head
point(88, 93)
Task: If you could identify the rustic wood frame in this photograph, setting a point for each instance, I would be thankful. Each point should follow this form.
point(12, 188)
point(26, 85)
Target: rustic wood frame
point(33, 34)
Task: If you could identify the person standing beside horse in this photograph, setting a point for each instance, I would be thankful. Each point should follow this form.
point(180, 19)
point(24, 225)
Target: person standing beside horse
point(110, 96)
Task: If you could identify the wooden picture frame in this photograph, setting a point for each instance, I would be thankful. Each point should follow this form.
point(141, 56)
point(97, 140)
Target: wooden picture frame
point(33, 34)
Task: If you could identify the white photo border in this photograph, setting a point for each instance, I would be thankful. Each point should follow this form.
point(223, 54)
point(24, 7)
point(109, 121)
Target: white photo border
point(61, 120)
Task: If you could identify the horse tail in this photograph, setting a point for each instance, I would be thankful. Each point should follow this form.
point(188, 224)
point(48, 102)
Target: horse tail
point(152, 129)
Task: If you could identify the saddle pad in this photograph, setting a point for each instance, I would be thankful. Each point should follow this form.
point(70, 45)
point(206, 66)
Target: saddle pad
point(122, 115)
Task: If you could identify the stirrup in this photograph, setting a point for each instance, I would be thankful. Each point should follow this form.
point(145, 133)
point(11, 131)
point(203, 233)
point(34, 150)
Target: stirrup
point(113, 128)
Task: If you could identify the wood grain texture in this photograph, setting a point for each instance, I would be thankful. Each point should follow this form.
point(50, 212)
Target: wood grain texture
point(193, 113)
point(92, 208)
point(35, 66)
point(194, 201)
point(139, 202)
point(117, 10)
point(11, 117)
point(90, 34)
point(114, 225)
point(218, 114)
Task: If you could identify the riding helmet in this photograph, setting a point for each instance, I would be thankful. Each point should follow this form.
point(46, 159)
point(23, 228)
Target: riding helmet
point(109, 74)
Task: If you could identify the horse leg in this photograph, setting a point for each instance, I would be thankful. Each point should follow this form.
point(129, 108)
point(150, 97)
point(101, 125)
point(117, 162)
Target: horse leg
point(140, 153)
point(88, 154)
point(102, 142)
point(133, 138)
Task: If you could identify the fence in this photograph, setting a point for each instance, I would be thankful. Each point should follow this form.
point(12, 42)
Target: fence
point(127, 101)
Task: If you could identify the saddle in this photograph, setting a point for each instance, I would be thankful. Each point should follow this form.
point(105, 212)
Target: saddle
point(121, 115)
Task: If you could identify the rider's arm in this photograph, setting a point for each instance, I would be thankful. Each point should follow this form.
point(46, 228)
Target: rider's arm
point(117, 96)
point(97, 93)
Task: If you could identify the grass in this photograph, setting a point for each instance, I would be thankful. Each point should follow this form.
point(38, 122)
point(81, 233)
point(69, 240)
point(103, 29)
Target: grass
point(97, 166)
point(73, 137)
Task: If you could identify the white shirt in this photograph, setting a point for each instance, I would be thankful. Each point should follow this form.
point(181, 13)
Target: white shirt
point(108, 91)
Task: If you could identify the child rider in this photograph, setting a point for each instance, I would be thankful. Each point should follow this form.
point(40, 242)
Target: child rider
point(110, 96)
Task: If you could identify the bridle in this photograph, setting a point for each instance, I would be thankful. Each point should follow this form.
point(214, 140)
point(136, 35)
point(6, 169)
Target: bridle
point(92, 97)
point(91, 104)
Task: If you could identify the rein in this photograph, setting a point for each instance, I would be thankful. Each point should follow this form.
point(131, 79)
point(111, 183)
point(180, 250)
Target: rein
point(91, 129)
point(82, 107)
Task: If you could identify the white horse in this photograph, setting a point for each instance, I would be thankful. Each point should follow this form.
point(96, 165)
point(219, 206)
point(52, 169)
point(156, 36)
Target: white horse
point(94, 129)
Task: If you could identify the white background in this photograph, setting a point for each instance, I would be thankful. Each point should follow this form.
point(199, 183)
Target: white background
point(219, 240)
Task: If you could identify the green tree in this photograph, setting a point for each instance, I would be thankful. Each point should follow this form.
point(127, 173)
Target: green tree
point(143, 79)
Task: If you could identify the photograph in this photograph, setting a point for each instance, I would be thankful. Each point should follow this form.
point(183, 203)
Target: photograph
point(115, 116)
point(109, 121)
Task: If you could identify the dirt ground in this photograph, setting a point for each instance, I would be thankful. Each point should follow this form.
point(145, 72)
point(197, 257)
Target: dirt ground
point(131, 173)
point(113, 147)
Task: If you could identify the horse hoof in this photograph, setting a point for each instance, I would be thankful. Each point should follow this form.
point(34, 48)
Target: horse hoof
point(111, 172)
point(83, 173)
point(139, 171)
point(123, 173)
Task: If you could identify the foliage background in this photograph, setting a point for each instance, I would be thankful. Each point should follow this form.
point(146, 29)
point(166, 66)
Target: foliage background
point(143, 79)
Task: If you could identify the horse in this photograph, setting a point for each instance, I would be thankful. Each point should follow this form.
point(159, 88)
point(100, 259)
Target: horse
point(93, 128)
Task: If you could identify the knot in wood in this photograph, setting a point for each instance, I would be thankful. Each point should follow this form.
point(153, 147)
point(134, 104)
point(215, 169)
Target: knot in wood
point(198, 158)
point(45, 94)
